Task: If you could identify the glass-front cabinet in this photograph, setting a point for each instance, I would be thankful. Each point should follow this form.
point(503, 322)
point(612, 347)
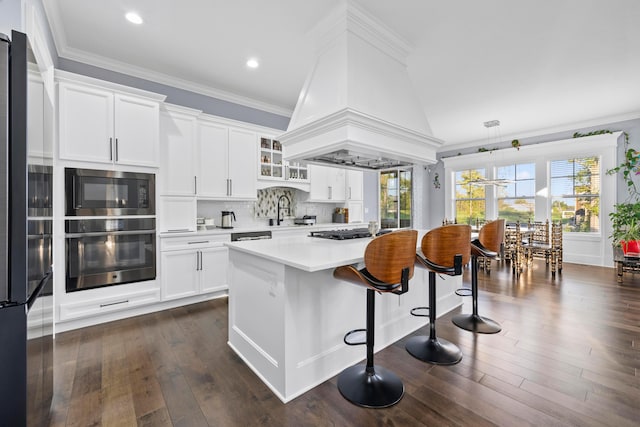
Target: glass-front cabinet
point(273, 166)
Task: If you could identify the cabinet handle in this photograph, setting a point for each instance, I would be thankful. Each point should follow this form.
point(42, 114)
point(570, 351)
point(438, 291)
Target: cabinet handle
point(114, 303)
point(198, 243)
point(195, 185)
point(330, 192)
point(230, 187)
point(116, 149)
point(110, 149)
point(200, 252)
point(349, 193)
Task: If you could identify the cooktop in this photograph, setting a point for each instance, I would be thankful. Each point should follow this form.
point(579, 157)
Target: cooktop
point(355, 233)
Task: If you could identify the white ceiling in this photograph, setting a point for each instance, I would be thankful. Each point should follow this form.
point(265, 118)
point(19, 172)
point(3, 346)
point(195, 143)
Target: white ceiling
point(537, 66)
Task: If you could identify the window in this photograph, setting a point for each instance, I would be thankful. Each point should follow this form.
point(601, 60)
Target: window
point(516, 199)
point(575, 194)
point(470, 196)
point(395, 198)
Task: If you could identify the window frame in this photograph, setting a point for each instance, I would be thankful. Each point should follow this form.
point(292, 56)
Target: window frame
point(470, 199)
point(412, 200)
point(583, 248)
point(497, 198)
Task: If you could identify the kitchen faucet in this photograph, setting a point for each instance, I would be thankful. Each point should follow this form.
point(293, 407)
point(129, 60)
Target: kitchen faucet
point(288, 207)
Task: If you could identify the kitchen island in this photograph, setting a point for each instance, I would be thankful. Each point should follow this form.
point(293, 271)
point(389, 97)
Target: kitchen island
point(288, 315)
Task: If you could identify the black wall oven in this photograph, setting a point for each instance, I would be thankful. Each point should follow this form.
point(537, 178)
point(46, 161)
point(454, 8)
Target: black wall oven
point(110, 251)
point(98, 192)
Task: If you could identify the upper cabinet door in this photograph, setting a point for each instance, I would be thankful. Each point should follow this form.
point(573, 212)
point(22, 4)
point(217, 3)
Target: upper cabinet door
point(136, 131)
point(243, 164)
point(86, 123)
point(354, 185)
point(338, 187)
point(178, 176)
point(212, 160)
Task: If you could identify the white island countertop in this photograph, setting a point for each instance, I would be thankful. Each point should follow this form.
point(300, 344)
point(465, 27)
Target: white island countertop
point(288, 314)
point(308, 253)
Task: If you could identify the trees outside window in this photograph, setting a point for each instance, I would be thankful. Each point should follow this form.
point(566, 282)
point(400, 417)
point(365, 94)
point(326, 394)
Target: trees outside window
point(470, 196)
point(575, 194)
point(516, 198)
point(396, 201)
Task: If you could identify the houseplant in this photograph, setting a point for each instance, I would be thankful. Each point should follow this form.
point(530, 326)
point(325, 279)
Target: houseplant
point(625, 220)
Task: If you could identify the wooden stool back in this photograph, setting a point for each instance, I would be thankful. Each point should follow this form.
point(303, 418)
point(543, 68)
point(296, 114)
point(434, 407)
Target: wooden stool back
point(491, 235)
point(387, 255)
point(441, 244)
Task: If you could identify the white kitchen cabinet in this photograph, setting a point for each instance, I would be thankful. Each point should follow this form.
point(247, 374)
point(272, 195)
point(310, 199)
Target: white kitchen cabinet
point(177, 214)
point(212, 160)
point(355, 195)
point(327, 184)
point(226, 161)
point(193, 265)
point(214, 262)
point(273, 166)
point(103, 126)
point(354, 184)
point(242, 164)
point(178, 147)
point(180, 273)
point(356, 210)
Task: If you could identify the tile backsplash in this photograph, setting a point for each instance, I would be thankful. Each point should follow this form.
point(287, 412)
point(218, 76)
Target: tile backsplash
point(258, 213)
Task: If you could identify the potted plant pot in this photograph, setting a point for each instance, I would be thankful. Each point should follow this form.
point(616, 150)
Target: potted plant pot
point(630, 247)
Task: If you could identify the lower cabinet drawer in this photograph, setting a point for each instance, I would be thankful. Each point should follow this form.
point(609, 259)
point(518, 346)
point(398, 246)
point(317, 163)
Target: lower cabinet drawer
point(98, 306)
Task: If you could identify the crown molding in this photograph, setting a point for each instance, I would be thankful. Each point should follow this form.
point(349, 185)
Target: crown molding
point(64, 51)
point(165, 79)
point(545, 131)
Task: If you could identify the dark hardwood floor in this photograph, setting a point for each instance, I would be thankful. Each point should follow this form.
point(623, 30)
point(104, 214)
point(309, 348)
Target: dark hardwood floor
point(568, 354)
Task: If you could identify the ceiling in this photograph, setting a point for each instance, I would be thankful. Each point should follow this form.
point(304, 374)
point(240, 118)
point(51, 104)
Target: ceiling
point(536, 66)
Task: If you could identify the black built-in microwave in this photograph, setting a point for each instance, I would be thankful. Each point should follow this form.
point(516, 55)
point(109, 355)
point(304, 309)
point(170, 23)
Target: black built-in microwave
point(91, 192)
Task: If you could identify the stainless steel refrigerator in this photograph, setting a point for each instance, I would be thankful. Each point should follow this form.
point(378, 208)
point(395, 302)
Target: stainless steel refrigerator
point(26, 288)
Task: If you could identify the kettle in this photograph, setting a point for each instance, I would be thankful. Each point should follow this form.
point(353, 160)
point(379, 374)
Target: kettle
point(227, 218)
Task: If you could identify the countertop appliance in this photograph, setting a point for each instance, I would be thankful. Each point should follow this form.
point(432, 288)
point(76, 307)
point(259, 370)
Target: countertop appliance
point(26, 285)
point(305, 220)
point(227, 217)
point(102, 192)
point(250, 235)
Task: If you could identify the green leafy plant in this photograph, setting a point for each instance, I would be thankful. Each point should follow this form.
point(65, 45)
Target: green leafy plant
point(625, 220)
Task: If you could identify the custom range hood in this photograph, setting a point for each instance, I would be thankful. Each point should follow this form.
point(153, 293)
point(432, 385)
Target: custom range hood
point(358, 107)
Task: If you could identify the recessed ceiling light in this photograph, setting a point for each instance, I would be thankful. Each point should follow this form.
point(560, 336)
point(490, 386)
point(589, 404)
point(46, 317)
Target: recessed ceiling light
point(252, 63)
point(134, 18)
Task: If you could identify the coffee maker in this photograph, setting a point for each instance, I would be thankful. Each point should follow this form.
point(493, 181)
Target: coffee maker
point(227, 217)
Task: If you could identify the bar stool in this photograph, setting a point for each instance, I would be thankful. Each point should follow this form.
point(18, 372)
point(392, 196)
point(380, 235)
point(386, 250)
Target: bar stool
point(446, 249)
point(486, 245)
point(389, 261)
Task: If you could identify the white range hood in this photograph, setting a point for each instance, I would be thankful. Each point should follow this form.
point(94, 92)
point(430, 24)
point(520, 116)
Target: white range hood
point(358, 107)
